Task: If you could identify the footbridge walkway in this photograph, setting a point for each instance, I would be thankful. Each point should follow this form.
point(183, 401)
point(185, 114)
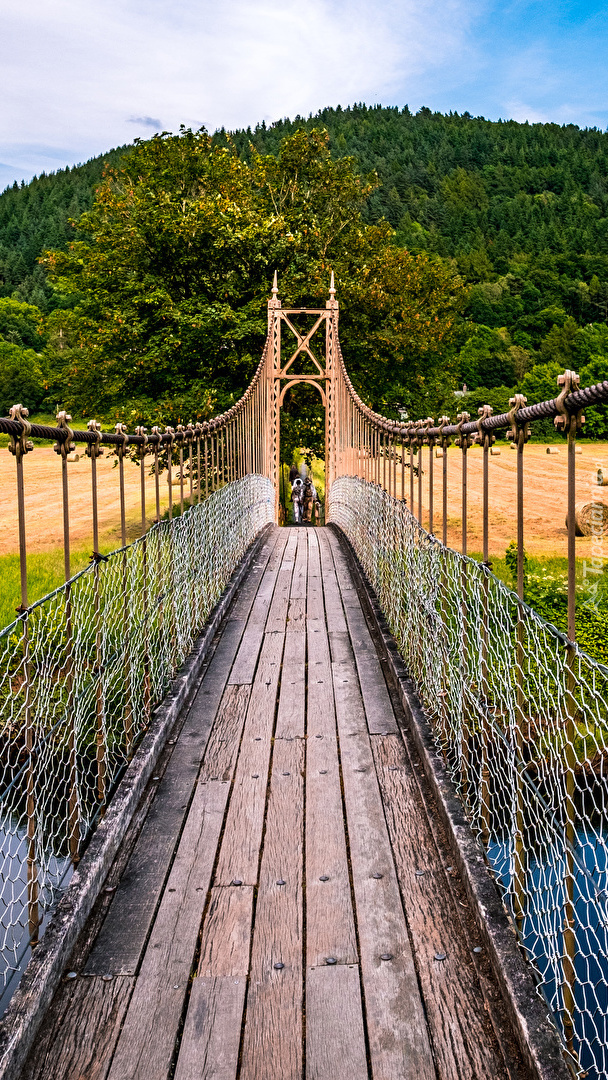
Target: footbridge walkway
point(290, 898)
point(285, 802)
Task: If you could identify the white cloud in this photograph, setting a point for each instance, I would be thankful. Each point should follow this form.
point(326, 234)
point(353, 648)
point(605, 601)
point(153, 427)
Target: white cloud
point(85, 75)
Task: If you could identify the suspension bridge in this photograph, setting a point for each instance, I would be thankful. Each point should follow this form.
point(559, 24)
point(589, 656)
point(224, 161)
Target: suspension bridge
point(283, 802)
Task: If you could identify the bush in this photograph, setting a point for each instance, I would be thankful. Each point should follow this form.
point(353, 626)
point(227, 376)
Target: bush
point(21, 379)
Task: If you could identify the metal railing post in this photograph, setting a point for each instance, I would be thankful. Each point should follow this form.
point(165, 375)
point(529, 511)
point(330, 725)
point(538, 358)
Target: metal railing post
point(570, 423)
point(419, 438)
point(519, 435)
point(121, 430)
point(19, 447)
point(63, 447)
point(141, 431)
point(486, 440)
point(93, 450)
point(445, 442)
point(462, 440)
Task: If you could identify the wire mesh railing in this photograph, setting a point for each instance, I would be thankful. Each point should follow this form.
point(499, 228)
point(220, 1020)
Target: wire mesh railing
point(522, 719)
point(80, 673)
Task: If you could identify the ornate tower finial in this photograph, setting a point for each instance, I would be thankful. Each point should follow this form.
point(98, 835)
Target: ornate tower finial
point(275, 287)
point(332, 288)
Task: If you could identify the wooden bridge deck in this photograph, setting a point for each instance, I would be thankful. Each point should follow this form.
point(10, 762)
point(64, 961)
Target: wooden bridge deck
point(284, 898)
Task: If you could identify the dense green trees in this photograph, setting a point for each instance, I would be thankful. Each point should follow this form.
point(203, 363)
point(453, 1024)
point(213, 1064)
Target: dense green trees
point(35, 216)
point(173, 264)
point(22, 377)
point(519, 210)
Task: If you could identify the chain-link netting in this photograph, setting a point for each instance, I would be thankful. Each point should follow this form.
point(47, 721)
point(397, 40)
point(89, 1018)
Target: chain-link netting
point(522, 719)
point(80, 672)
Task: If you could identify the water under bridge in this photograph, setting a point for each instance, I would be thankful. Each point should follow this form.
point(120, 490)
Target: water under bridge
point(311, 785)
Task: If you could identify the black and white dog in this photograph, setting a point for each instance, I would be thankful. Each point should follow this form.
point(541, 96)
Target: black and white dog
point(297, 497)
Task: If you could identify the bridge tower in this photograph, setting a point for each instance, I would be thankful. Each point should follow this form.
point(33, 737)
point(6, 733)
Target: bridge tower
point(321, 371)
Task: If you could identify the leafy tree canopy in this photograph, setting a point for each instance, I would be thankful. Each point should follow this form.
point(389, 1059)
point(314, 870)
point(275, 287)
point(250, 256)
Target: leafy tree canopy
point(519, 210)
point(21, 377)
point(172, 268)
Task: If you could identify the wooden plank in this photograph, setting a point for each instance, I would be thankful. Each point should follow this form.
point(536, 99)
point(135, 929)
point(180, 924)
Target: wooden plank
point(212, 1032)
point(296, 614)
point(227, 931)
point(335, 1042)
point(315, 606)
point(272, 1039)
point(277, 614)
point(119, 946)
point(461, 1031)
point(378, 707)
point(88, 1014)
point(298, 585)
point(346, 685)
point(336, 621)
point(243, 670)
point(341, 648)
point(330, 928)
point(241, 605)
point(225, 738)
point(146, 1043)
point(239, 854)
point(292, 699)
point(397, 1032)
point(320, 715)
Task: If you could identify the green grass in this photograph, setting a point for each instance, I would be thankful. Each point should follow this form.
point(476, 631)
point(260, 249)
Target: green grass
point(551, 566)
point(546, 590)
point(44, 573)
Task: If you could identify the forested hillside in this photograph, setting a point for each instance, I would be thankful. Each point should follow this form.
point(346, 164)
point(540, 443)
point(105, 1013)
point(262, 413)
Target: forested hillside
point(522, 208)
point(521, 211)
point(34, 217)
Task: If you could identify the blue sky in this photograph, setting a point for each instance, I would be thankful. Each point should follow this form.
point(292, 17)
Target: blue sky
point(80, 76)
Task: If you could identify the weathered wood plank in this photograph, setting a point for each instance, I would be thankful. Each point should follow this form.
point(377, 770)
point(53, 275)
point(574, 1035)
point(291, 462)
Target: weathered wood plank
point(330, 928)
point(239, 854)
point(246, 595)
point(224, 741)
point(227, 931)
point(336, 621)
point(320, 715)
point(243, 670)
point(396, 1025)
point(341, 649)
point(147, 1039)
point(212, 1031)
point(119, 946)
point(298, 584)
point(461, 1032)
point(335, 1042)
point(346, 685)
point(315, 606)
point(272, 1039)
point(88, 1015)
point(378, 707)
point(209, 1048)
point(292, 699)
point(296, 614)
point(277, 614)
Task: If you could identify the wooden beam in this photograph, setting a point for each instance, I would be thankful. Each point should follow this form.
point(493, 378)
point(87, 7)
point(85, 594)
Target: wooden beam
point(272, 1039)
point(147, 1039)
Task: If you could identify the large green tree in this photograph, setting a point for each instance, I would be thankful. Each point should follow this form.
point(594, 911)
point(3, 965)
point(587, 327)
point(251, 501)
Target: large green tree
point(172, 266)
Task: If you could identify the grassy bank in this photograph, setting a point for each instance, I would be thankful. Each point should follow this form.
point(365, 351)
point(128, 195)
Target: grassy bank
point(44, 573)
point(546, 590)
